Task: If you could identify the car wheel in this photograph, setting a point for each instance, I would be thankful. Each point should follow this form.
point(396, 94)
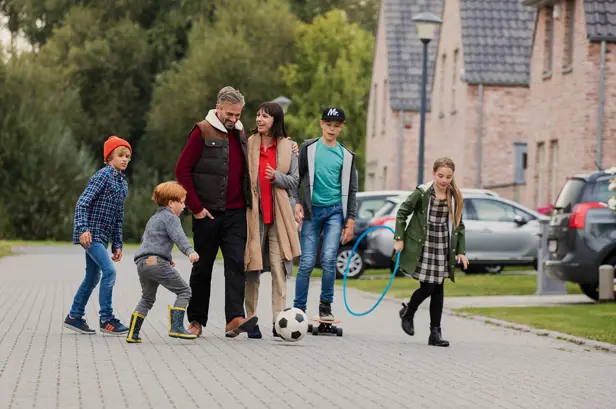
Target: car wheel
point(489, 269)
point(493, 269)
point(591, 290)
point(356, 267)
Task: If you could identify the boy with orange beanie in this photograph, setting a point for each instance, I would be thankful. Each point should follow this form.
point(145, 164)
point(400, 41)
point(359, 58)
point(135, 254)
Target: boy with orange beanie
point(99, 215)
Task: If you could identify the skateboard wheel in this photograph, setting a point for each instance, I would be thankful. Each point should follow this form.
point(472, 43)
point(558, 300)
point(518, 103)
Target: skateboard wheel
point(334, 328)
point(315, 331)
point(339, 332)
point(309, 327)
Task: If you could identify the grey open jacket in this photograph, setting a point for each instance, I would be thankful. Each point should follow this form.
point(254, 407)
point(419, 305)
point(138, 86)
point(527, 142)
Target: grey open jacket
point(303, 194)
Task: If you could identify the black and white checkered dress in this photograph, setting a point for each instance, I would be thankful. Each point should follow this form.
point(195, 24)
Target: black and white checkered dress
point(432, 266)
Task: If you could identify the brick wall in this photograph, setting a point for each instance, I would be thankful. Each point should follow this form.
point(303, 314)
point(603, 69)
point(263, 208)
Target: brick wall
point(452, 130)
point(563, 108)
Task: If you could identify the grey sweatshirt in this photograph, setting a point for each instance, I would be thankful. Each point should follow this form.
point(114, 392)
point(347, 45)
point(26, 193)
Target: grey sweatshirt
point(161, 233)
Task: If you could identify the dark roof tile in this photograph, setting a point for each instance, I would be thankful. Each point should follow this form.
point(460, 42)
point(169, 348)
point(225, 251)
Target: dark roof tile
point(497, 38)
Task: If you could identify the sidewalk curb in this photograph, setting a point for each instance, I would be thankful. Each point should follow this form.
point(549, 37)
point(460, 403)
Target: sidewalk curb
point(598, 345)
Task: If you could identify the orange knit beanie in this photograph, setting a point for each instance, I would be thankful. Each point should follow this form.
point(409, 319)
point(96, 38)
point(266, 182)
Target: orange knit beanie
point(112, 143)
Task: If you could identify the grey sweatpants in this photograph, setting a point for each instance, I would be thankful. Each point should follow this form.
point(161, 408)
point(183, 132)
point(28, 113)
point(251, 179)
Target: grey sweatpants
point(154, 271)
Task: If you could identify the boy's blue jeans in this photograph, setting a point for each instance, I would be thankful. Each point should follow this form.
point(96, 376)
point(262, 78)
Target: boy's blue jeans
point(97, 260)
point(328, 220)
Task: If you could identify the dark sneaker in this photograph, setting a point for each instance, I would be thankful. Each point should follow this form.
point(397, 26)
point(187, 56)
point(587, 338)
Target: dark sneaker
point(325, 312)
point(255, 333)
point(114, 327)
point(78, 325)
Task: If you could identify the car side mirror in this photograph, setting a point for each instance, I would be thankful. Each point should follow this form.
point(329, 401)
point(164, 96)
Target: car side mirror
point(520, 220)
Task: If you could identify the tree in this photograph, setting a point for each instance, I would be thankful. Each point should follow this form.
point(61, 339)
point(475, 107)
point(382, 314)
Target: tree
point(363, 12)
point(332, 67)
point(243, 47)
point(42, 167)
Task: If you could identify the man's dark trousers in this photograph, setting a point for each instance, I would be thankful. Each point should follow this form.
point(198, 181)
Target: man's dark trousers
point(226, 231)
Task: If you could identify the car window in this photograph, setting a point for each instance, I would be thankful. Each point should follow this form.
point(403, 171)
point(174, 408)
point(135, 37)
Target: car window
point(369, 206)
point(600, 191)
point(386, 209)
point(569, 194)
point(493, 211)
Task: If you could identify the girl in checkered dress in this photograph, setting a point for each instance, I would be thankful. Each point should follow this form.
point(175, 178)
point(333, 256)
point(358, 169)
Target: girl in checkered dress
point(431, 243)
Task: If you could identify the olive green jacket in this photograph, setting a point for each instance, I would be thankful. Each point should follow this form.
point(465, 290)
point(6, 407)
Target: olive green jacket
point(417, 205)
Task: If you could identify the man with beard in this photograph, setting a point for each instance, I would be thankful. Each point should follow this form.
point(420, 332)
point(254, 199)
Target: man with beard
point(213, 168)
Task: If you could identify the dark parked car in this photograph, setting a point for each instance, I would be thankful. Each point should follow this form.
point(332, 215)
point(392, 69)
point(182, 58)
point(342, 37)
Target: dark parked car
point(582, 232)
point(368, 203)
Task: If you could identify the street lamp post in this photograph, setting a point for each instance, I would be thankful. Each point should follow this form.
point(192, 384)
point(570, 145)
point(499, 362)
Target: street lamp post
point(284, 103)
point(426, 24)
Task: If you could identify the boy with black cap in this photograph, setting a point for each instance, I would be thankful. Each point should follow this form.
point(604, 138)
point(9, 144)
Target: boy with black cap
point(326, 203)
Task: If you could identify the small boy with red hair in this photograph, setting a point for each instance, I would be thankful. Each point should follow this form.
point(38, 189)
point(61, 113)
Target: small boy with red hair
point(155, 264)
point(99, 215)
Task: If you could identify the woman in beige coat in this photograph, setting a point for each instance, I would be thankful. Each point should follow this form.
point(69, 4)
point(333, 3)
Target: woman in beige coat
point(273, 240)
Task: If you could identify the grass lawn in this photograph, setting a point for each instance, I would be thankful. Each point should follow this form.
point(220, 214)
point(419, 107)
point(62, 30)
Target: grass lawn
point(465, 285)
point(594, 321)
point(5, 249)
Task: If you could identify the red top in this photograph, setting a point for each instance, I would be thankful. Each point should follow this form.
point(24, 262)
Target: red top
point(189, 158)
point(268, 156)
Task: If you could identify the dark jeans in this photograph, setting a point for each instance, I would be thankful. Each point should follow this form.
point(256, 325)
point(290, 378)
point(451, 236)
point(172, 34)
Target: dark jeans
point(436, 294)
point(226, 231)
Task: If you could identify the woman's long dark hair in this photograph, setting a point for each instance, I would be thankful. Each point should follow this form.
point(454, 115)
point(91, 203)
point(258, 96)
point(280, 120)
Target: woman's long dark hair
point(278, 129)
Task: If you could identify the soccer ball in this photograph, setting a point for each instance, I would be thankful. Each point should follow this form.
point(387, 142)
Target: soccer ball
point(291, 324)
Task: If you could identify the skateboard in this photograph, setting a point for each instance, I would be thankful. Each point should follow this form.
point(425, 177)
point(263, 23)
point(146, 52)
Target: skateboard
point(324, 327)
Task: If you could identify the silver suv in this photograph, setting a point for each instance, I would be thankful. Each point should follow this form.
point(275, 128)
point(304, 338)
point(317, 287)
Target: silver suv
point(499, 232)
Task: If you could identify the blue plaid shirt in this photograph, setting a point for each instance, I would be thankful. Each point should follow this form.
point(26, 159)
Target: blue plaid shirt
point(100, 208)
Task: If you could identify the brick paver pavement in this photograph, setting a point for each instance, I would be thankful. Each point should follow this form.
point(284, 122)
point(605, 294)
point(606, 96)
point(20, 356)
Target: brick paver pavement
point(374, 365)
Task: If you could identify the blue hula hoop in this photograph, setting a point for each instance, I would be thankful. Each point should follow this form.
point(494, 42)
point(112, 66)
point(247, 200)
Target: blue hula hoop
point(346, 271)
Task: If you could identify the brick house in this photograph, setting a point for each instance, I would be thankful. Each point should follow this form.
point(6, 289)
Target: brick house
point(392, 128)
point(572, 112)
point(480, 93)
point(477, 97)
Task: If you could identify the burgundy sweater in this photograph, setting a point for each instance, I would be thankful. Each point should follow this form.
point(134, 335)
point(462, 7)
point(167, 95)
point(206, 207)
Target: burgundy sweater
point(189, 158)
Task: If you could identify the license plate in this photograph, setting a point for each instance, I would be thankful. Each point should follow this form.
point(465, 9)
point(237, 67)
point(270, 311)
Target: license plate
point(552, 246)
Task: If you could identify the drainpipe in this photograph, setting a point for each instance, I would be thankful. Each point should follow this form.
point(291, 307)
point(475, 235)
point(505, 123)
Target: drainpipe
point(479, 158)
point(601, 103)
point(400, 146)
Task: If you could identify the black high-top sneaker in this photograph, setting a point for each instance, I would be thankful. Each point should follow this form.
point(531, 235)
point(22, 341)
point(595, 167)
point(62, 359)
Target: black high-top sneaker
point(325, 311)
point(407, 315)
point(436, 339)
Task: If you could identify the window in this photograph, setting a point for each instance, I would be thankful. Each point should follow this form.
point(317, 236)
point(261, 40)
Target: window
point(569, 35)
point(548, 42)
point(553, 171)
point(442, 90)
point(520, 162)
point(454, 80)
point(487, 210)
point(374, 108)
point(385, 107)
point(369, 207)
point(540, 174)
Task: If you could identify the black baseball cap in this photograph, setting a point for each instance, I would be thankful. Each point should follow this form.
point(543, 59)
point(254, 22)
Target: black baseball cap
point(333, 114)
